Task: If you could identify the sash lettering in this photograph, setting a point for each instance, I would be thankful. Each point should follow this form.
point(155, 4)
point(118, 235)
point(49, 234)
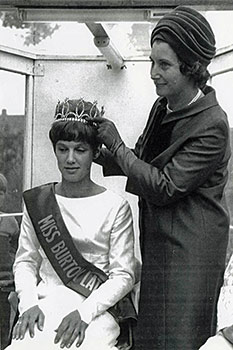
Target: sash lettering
point(63, 256)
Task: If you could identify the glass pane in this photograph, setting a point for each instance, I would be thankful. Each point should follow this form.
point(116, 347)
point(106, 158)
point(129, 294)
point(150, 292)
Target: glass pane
point(222, 24)
point(131, 39)
point(72, 38)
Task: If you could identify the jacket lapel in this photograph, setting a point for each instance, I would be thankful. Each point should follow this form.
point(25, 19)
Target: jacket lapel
point(152, 125)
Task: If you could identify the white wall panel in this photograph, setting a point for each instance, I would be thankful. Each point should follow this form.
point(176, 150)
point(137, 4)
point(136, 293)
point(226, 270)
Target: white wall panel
point(127, 95)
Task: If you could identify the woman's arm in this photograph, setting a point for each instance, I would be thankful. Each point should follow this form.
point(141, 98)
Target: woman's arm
point(121, 267)
point(188, 169)
point(26, 266)
point(26, 269)
point(108, 162)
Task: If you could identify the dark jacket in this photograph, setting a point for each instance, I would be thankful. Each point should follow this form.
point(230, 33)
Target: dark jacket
point(179, 171)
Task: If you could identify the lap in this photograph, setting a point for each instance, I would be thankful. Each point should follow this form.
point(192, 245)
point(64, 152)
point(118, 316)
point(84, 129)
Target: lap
point(101, 333)
point(217, 342)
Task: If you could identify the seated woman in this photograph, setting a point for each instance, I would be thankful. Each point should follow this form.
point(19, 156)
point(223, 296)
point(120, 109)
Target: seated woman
point(223, 340)
point(75, 259)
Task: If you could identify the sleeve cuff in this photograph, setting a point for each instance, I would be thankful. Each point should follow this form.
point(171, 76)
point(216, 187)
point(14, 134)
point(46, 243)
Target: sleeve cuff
point(125, 158)
point(25, 306)
point(86, 316)
point(26, 302)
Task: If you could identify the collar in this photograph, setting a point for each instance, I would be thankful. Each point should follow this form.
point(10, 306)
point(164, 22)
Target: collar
point(196, 97)
point(203, 103)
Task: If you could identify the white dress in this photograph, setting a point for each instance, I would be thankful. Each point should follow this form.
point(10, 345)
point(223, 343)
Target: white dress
point(101, 227)
point(225, 302)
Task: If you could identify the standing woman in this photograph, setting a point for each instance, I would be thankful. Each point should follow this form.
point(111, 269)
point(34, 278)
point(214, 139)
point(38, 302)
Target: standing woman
point(178, 170)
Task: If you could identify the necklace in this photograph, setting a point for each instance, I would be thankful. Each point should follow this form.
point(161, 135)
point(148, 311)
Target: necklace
point(196, 97)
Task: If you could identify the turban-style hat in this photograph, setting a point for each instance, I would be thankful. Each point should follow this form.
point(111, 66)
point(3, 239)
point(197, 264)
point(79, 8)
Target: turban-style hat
point(188, 33)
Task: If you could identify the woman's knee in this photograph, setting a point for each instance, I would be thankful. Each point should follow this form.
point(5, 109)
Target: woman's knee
point(217, 342)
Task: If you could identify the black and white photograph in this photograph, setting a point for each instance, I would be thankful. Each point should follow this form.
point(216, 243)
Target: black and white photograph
point(116, 174)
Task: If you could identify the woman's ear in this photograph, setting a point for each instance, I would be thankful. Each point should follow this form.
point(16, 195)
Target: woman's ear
point(96, 152)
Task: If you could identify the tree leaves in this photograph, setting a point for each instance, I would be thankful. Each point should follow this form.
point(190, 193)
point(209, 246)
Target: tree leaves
point(36, 32)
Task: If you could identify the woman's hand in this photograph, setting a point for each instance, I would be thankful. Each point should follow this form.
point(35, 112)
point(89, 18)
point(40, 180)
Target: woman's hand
point(27, 321)
point(108, 133)
point(71, 327)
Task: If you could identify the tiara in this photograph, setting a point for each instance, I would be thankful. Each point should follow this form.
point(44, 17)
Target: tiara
point(63, 111)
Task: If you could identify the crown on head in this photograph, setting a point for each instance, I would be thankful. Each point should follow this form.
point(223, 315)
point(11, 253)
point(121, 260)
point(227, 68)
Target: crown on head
point(76, 110)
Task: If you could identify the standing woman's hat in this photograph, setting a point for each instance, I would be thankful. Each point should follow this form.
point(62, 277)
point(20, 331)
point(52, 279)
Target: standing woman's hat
point(188, 33)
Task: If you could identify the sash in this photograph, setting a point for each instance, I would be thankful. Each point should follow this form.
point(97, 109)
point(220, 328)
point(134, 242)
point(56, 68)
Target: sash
point(75, 272)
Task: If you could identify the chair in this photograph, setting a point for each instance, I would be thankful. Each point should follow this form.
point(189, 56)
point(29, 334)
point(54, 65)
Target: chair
point(125, 339)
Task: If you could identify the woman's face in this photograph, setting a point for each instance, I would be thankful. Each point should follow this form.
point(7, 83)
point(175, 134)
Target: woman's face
point(74, 160)
point(165, 72)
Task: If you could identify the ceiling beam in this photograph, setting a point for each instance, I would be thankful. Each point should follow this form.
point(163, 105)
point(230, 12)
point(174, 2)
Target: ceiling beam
point(118, 4)
point(103, 43)
point(88, 15)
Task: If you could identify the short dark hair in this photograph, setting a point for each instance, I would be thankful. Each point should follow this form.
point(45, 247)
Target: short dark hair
point(197, 72)
point(67, 128)
point(74, 131)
